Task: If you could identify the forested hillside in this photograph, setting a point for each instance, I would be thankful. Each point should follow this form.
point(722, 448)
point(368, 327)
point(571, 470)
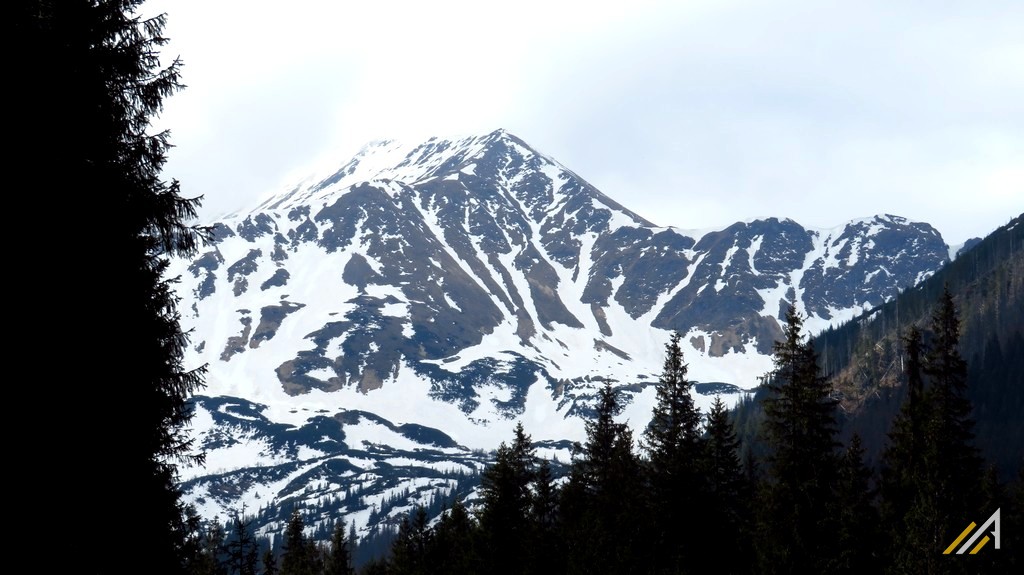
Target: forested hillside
point(867, 361)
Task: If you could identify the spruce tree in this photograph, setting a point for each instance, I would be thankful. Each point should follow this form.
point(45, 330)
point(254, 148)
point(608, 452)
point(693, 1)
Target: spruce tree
point(544, 502)
point(727, 495)
point(932, 472)
point(952, 461)
point(91, 80)
point(801, 429)
point(269, 563)
point(946, 494)
point(672, 444)
point(504, 518)
point(212, 556)
point(296, 558)
point(242, 549)
point(339, 559)
point(353, 538)
point(903, 471)
point(599, 502)
point(546, 553)
point(857, 533)
point(410, 552)
point(455, 542)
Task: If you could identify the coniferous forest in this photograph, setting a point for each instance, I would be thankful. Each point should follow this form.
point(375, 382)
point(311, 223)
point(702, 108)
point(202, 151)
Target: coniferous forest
point(688, 497)
point(785, 490)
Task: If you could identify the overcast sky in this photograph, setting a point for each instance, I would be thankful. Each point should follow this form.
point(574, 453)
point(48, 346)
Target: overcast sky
point(693, 114)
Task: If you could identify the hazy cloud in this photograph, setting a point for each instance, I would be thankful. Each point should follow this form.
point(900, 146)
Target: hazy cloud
point(694, 114)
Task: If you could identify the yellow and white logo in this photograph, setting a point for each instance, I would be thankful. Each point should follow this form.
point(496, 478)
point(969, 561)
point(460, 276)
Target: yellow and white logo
point(992, 521)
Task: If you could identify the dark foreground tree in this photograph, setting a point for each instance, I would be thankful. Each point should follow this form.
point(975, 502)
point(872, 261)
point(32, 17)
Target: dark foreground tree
point(211, 557)
point(676, 486)
point(953, 466)
point(243, 550)
point(903, 467)
point(934, 472)
point(339, 559)
point(505, 517)
point(798, 530)
point(454, 543)
point(546, 552)
point(92, 84)
point(726, 496)
point(600, 510)
point(297, 557)
point(410, 551)
point(860, 548)
point(269, 563)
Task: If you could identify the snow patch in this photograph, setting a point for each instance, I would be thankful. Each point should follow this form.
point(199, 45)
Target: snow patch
point(755, 246)
point(322, 373)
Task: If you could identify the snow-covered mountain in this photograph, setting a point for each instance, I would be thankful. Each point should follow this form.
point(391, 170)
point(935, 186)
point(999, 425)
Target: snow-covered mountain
point(455, 287)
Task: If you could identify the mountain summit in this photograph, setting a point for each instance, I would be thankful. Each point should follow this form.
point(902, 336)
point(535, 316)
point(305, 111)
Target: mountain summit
point(491, 160)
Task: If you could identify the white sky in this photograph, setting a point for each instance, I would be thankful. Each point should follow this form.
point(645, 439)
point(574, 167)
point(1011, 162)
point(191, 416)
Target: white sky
point(692, 113)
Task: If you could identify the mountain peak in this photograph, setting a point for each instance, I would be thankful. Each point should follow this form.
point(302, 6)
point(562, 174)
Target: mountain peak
point(532, 181)
point(391, 159)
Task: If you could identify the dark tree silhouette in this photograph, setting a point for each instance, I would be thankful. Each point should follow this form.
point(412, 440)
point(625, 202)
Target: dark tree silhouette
point(798, 529)
point(672, 444)
point(296, 558)
point(410, 552)
point(505, 517)
point(454, 543)
point(599, 503)
point(339, 560)
point(946, 493)
point(951, 456)
point(242, 549)
point(93, 82)
point(211, 557)
point(903, 463)
point(269, 563)
point(546, 553)
point(726, 496)
point(857, 534)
